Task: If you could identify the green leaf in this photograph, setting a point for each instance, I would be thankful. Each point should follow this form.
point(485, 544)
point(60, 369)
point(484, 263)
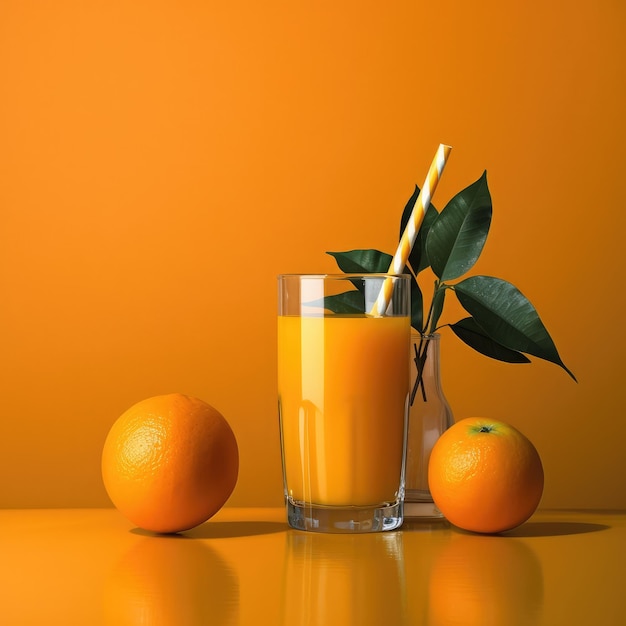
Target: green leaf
point(457, 236)
point(474, 336)
point(362, 261)
point(437, 306)
point(347, 302)
point(418, 259)
point(507, 316)
point(417, 306)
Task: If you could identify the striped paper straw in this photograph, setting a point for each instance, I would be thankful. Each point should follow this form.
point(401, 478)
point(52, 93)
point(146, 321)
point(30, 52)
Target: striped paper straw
point(412, 227)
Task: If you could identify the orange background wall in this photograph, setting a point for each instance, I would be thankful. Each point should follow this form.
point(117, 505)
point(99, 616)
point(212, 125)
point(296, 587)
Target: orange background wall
point(161, 162)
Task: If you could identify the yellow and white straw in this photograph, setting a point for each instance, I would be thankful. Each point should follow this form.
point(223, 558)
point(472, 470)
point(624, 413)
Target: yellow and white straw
point(412, 227)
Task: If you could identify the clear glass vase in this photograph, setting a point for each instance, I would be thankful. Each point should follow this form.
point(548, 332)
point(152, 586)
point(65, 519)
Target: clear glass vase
point(429, 416)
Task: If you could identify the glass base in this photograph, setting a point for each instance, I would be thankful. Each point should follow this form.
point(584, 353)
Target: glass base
point(419, 504)
point(335, 519)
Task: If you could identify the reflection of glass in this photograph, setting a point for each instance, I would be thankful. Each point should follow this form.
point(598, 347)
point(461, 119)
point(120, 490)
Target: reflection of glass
point(343, 579)
point(343, 384)
point(479, 580)
point(171, 580)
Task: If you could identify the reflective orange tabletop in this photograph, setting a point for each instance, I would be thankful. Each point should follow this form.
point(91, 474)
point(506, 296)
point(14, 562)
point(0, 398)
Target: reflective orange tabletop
point(245, 566)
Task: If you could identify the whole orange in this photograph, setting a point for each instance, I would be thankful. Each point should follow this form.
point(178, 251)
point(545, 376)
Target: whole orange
point(485, 476)
point(170, 462)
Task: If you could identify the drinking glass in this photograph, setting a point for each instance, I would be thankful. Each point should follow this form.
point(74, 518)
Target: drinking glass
point(343, 388)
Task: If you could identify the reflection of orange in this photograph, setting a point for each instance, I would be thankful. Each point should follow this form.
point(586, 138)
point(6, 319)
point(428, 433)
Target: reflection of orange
point(485, 475)
point(166, 581)
point(170, 462)
point(485, 581)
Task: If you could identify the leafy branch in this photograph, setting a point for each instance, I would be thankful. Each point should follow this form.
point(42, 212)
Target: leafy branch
point(502, 323)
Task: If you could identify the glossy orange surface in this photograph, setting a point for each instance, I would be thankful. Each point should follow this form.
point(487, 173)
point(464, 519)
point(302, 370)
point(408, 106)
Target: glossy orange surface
point(245, 566)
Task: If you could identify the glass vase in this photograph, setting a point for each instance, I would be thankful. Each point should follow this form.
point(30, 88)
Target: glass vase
point(429, 416)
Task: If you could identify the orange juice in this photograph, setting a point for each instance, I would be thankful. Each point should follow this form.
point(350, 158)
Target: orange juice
point(343, 383)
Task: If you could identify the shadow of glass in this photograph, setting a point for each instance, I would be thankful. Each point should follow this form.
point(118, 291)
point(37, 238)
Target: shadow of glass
point(554, 529)
point(223, 530)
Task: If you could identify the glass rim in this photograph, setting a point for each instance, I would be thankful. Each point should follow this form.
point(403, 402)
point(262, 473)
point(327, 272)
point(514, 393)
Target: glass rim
point(346, 275)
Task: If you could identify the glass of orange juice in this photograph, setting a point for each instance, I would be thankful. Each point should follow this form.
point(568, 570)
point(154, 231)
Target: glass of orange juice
point(343, 388)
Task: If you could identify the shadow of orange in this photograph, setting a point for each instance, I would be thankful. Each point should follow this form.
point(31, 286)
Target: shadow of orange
point(554, 529)
point(222, 530)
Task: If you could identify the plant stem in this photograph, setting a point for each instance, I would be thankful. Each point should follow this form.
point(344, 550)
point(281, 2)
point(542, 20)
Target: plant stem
point(421, 352)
